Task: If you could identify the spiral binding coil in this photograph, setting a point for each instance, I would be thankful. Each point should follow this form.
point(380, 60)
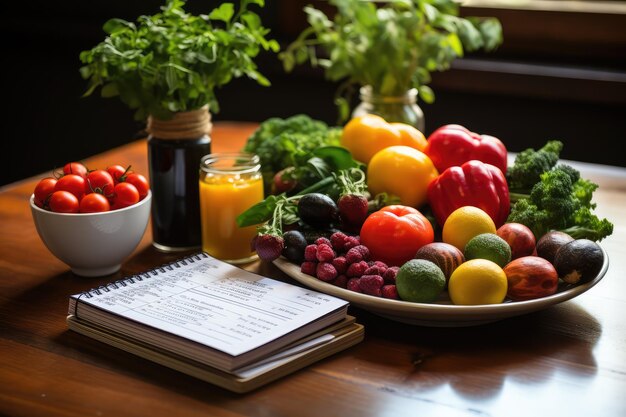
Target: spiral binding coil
point(124, 282)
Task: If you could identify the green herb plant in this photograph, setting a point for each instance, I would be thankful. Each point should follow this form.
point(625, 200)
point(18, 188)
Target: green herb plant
point(173, 61)
point(391, 46)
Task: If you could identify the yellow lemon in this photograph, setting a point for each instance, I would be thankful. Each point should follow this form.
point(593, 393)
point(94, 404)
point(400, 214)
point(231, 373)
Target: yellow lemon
point(464, 223)
point(401, 171)
point(477, 281)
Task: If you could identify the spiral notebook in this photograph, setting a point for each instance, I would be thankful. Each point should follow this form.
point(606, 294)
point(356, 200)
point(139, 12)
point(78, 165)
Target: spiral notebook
point(215, 321)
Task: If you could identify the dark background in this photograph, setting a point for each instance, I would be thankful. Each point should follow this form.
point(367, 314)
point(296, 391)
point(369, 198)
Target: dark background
point(558, 75)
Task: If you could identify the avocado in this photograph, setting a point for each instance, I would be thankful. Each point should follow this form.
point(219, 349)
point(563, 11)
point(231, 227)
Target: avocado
point(579, 261)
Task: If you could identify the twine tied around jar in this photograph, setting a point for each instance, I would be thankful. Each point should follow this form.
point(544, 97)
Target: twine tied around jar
point(184, 125)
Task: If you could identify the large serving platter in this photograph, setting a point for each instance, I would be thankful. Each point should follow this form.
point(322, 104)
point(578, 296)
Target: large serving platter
point(441, 313)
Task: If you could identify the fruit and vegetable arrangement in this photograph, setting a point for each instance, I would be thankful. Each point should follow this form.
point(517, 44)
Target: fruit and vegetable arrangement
point(76, 189)
point(379, 209)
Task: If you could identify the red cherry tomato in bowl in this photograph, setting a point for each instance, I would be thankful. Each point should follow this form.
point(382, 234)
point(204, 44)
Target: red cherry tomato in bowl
point(140, 182)
point(94, 203)
point(124, 195)
point(43, 190)
point(73, 183)
point(394, 234)
point(118, 172)
point(63, 202)
point(75, 168)
point(101, 182)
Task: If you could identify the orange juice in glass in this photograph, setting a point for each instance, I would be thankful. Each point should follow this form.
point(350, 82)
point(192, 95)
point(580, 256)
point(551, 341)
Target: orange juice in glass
point(230, 183)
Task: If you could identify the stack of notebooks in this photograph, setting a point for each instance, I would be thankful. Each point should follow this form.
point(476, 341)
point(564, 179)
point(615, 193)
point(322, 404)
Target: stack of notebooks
point(216, 322)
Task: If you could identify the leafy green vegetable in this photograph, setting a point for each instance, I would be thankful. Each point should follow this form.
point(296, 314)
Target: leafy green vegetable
point(391, 46)
point(561, 200)
point(301, 142)
point(173, 61)
point(530, 164)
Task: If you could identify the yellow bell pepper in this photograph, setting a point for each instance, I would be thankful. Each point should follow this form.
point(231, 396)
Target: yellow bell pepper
point(365, 135)
point(401, 171)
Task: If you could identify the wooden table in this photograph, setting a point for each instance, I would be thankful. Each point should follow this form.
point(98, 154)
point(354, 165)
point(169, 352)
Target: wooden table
point(568, 360)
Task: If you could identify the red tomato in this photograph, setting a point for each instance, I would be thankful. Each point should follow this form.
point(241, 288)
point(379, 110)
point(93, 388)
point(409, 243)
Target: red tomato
point(75, 168)
point(394, 234)
point(101, 182)
point(43, 189)
point(125, 195)
point(140, 182)
point(73, 183)
point(63, 202)
point(118, 172)
point(94, 203)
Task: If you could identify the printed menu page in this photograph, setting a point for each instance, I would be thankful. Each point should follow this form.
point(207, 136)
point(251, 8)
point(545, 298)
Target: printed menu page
point(214, 303)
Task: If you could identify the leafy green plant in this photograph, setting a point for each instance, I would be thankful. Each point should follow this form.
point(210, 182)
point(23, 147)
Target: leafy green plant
point(392, 46)
point(173, 61)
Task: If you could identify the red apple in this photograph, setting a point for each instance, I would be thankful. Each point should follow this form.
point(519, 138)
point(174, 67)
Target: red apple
point(519, 237)
point(530, 277)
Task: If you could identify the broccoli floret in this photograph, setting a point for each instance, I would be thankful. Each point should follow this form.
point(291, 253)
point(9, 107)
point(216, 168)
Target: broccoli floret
point(553, 194)
point(524, 212)
point(557, 203)
point(530, 164)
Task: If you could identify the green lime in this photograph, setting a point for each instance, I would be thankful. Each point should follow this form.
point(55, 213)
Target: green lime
point(420, 281)
point(488, 246)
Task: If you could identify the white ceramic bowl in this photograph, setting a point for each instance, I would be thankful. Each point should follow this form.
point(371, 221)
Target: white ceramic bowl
point(93, 244)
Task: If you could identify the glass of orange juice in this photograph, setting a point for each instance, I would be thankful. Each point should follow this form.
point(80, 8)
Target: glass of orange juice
point(230, 183)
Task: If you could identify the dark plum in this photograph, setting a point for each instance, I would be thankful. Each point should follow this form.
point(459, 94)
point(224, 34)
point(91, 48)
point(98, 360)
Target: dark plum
point(317, 210)
point(295, 242)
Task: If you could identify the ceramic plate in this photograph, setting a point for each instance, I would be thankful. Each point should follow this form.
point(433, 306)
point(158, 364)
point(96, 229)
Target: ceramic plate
point(441, 313)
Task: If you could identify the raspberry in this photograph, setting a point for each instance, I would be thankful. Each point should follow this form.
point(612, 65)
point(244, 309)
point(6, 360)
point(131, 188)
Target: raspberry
point(340, 281)
point(326, 271)
point(308, 268)
point(322, 241)
point(353, 256)
point(371, 284)
point(390, 274)
point(375, 270)
point(325, 253)
point(350, 242)
point(310, 253)
point(340, 264)
point(390, 291)
point(353, 285)
point(365, 252)
point(356, 269)
point(338, 241)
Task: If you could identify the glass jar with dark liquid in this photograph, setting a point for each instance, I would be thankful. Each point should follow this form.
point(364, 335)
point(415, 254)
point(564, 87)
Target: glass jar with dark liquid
point(173, 166)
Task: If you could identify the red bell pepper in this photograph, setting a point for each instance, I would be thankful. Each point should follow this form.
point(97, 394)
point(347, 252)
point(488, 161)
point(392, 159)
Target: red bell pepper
point(452, 145)
point(475, 184)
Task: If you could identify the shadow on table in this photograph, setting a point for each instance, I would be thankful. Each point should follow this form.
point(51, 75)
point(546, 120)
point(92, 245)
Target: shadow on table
point(475, 361)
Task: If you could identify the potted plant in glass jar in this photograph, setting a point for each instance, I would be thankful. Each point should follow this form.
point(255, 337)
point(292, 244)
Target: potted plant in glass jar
point(389, 49)
point(167, 67)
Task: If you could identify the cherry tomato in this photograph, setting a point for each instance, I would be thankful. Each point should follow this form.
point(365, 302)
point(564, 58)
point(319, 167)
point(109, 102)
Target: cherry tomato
point(63, 202)
point(125, 194)
point(101, 182)
point(118, 172)
point(75, 168)
point(43, 189)
point(140, 182)
point(94, 203)
point(394, 233)
point(73, 183)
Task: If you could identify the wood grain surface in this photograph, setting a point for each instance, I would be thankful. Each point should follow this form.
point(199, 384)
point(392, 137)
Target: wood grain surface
point(568, 360)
